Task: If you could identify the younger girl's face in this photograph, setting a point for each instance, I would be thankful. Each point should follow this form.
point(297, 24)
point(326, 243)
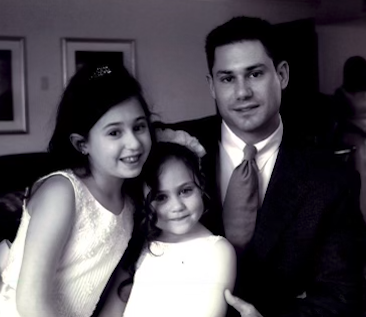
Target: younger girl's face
point(119, 143)
point(178, 202)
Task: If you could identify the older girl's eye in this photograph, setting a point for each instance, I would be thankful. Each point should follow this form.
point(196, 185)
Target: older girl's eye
point(114, 133)
point(140, 127)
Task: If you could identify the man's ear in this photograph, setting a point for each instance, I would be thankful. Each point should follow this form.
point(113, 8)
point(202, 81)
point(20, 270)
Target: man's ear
point(79, 143)
point(283, 73)
point(211, 85)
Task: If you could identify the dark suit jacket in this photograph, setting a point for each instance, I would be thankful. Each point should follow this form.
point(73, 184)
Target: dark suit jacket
point(308, 240)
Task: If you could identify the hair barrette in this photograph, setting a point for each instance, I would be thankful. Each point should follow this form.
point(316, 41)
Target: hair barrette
point(100, 71)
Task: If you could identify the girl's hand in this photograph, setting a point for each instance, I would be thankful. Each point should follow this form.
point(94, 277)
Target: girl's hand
point(245, 309)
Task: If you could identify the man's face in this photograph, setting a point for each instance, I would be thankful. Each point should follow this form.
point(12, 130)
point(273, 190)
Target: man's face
point(247, 88)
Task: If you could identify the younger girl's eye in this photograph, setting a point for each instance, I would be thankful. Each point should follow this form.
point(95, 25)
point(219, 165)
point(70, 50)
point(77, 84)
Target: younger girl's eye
point(160, 198)
point(187, 190)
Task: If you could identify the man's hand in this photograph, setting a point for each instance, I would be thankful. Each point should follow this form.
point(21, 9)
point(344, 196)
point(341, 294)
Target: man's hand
point(245, 309)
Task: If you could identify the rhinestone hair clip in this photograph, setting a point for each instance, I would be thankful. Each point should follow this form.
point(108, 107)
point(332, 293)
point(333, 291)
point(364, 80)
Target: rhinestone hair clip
point(100, 71)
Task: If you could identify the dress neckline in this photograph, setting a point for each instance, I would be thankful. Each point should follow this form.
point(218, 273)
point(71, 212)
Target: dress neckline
point(126, 202)
point(157, 242)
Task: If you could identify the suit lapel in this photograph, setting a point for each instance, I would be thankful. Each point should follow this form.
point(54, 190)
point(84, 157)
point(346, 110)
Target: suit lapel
point(283, 199)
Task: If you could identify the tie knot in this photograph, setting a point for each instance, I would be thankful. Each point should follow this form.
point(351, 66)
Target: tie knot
point(249, 152)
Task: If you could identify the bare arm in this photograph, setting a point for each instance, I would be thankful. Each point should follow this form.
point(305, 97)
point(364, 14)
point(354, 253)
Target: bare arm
point(226, 275)
point(52, 210)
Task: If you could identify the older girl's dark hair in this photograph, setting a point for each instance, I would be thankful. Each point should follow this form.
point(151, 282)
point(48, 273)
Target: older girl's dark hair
point(162, 153)
point(91, 92)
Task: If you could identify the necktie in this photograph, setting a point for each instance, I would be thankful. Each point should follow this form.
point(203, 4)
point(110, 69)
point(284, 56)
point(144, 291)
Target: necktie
point(242, 201)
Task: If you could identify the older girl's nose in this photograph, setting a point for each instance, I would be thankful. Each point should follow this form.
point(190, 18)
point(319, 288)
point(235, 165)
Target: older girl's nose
point(132, 141)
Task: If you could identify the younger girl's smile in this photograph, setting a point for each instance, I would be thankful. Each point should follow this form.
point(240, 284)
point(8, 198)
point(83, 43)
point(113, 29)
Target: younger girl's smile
point(178, 203)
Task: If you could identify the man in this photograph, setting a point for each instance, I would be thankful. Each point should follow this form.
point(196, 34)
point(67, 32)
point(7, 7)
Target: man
point(304, 256)
point(350, 102)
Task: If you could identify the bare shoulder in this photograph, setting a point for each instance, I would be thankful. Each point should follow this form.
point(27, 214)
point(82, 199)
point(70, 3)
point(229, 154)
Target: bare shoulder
point(56, 190)
point(224, 263)
point(224, 248)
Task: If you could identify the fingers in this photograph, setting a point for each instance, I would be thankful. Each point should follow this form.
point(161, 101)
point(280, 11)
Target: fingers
point(245, 309)
point(231, 300)
point(125, 293)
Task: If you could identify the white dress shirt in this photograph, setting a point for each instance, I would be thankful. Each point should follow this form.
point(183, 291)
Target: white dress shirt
point(231, 155)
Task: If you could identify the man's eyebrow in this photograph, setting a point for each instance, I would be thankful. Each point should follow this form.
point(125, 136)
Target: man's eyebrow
point(255, 66)
point(247, 69)
point(224, 72)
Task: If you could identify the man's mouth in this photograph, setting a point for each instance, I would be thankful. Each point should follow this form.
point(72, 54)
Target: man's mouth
point(246, 108)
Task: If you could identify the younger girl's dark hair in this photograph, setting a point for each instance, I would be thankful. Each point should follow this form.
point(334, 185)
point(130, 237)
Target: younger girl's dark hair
point(91, 92)
point(162, 153)
point(145, 229)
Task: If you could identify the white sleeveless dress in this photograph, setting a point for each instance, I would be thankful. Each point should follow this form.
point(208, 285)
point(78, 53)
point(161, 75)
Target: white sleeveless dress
point(177, 279)
point(96, 244)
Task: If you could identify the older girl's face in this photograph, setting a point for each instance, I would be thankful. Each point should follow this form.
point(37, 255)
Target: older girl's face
point(178, 202)
point(119, 143)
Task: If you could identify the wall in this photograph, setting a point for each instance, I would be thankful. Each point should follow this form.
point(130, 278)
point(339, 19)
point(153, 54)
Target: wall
point(337, 42)
point(169, 38)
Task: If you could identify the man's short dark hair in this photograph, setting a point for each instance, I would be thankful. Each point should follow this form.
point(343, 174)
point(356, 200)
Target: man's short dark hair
point(354, 74)
point(240, 29)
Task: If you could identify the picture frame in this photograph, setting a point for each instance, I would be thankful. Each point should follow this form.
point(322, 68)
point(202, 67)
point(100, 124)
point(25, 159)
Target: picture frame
point(13, 112)
point(77, 52)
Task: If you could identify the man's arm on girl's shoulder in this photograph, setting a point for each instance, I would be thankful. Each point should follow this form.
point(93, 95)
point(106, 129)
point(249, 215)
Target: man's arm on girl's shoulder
point(115, 303)
point(52, 210)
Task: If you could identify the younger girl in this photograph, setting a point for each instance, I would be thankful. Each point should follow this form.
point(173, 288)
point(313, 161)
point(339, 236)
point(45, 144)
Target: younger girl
point(184, 269)
point(77, 221)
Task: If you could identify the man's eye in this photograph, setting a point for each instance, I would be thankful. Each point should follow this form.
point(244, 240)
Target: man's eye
point(256, 74)
point(227, 79)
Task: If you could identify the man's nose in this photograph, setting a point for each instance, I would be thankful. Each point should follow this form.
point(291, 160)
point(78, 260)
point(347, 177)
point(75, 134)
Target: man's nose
point(243, 89)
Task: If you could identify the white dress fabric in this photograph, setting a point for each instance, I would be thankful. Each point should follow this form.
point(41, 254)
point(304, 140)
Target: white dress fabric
point(96, 244)
point(177, 279)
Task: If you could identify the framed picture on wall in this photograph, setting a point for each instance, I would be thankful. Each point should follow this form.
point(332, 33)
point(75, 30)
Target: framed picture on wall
point(12, 86)
point(78, 52)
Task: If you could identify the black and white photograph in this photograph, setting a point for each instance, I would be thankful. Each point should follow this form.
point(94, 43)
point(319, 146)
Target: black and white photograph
point(183, 158)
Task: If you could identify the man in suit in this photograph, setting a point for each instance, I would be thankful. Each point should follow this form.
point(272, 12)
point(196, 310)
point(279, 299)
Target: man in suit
point(305, 256)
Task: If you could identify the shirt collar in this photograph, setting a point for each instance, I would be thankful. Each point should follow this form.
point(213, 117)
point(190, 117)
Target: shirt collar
point(265, 149)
